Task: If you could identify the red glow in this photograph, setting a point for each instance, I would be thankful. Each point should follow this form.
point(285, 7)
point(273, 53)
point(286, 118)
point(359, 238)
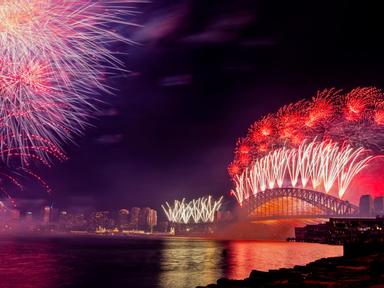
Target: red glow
point(263, 148)
point(244, 149)
point(369, 181)
point(321, 109)
point(358, 101)
point(355, 117)
point(262, 128)
point(233, 169)
point(244, 159)
point(379, 117)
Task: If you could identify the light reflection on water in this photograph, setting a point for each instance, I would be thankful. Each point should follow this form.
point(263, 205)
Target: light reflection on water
point(197, 262)
point(177, 263)
point(245, 256)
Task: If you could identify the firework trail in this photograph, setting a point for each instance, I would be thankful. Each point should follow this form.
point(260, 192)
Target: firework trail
point(323, 166)
point(14, 175)
point(54, 58)
point(200, 210)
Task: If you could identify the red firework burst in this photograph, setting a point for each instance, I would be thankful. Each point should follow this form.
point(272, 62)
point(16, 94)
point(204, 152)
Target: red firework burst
point(330, 115)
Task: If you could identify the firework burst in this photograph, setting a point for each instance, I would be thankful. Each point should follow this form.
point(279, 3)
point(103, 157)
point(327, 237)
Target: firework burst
point(13, 174)
point(322, 166)
point(355, 118)
point(322, 143)
point(54, 58)
point(200, 210)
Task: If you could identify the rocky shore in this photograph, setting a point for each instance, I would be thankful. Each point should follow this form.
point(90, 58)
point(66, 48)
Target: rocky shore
point(340, 272)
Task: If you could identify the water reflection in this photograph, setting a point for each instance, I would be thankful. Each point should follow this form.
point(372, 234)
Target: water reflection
point(244, 256)
point(23, 265)
point(189, 262)
point(177, 263)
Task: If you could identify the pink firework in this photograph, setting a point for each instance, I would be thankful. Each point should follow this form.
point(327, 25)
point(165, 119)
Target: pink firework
point(14, 174)
point(54, 56)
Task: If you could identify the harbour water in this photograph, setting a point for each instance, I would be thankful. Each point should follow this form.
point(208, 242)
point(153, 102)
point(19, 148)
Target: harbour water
point(122, 262)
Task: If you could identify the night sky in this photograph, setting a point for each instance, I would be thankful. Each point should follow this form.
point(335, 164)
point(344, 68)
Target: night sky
point(202, 73)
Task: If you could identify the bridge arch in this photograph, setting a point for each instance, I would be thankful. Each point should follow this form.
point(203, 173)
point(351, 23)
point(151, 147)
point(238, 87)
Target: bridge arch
point(324, 205)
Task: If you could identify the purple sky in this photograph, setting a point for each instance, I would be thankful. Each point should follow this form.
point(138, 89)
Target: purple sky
point(205, 70)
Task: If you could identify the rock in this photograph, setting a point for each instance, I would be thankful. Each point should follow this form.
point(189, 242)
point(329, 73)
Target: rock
point(341, 272)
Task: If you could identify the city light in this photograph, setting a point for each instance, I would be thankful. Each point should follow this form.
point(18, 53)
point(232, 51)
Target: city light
point(200, 210)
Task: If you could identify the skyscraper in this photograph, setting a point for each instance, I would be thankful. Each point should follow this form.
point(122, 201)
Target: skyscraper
point(134, 219)
point(366, 206)
point(46, 214)
point(123, 219)
point(378, 204)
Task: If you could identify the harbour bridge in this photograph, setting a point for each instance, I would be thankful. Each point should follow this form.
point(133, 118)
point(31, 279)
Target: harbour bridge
point(283, 203)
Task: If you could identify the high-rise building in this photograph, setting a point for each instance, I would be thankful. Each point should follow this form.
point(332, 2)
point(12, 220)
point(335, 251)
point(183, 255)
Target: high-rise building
point(134, 219)
point(101, 219)
point(147, 219)
point(123, 219)
point(143, 218)
point(152, 219)
point(366, 208)
point(378, 204)
point(46, 215)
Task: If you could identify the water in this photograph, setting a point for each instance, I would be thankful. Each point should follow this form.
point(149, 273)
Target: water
point(177, 263)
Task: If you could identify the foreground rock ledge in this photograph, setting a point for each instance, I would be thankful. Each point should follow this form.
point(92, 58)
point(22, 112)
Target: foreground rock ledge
point(363, 271)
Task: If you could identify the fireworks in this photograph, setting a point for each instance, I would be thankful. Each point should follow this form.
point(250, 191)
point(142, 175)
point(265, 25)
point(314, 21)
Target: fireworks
point(355, 118)
point(15, 178)
point(54, 57)
point(201, 210)
point(321, 144)
point(319, 165)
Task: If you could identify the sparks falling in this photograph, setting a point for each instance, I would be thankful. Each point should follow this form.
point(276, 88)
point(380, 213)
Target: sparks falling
point(321, 166)
point(200, 210)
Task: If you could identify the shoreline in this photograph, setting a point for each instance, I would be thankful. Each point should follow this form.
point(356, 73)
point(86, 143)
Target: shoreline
point(341, 272)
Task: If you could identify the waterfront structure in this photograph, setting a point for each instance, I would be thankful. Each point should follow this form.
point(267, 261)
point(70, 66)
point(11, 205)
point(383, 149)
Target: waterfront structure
point(319, 233)
point(343, 230)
